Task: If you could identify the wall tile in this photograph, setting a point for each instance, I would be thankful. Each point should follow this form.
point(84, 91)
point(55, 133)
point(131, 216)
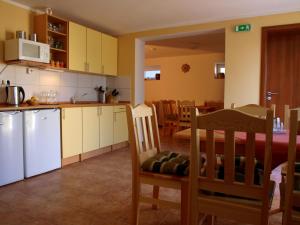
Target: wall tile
point(122, 82)
point(124, 94)
point(85, 81)
point(49, 78)
point(8, 74)
point(69, 79)
point(31, 90)
point(23, 78)
point(98, 81)
point(65, 93)
point(91, 94)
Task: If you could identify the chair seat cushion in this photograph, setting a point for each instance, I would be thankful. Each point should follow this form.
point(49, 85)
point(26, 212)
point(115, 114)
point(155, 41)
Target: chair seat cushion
point(167, 162)
point(240, 168)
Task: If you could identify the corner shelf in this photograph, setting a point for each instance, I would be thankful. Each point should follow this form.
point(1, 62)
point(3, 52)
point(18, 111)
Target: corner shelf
point(41, 28)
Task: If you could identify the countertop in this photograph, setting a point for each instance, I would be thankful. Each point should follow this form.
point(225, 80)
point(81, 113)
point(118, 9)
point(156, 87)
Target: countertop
point(4, 107)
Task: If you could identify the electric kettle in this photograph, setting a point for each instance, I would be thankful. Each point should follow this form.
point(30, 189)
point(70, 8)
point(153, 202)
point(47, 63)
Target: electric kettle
point(13, 94)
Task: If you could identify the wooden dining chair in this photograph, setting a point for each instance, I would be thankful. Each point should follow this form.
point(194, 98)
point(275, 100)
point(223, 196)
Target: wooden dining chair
point(151, 165)
point(291, 198)
point(184, 113)
point(232, 187)
point(255, 110)
point(170, 116)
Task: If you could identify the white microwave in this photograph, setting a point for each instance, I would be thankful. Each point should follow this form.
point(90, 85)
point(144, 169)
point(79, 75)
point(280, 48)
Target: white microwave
point(22, 49)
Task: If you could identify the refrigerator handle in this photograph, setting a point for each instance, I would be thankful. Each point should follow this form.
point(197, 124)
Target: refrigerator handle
point(14, 113)
point(36, 111)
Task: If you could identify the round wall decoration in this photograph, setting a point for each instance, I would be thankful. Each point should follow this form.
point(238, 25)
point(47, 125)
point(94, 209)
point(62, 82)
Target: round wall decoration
point(185, 68)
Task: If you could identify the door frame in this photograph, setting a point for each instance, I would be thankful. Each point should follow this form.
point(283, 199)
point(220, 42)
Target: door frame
point(264, 56)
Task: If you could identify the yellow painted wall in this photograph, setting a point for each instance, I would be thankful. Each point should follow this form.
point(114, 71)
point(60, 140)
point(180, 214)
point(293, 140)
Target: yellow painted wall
point(13, 18)
point(242, 53)
point(198, 84)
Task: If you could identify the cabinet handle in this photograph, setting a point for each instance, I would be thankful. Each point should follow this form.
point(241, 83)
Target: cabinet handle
point(63, 114)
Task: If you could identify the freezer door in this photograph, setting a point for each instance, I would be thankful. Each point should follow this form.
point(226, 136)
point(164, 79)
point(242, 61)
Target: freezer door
point(11, 147)
point(41, 141)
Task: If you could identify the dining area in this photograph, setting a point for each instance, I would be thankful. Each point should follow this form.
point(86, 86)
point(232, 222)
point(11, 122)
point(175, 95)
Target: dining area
point(228, 171)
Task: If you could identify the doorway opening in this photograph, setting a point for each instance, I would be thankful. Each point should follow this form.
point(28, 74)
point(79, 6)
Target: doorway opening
point(185, 67)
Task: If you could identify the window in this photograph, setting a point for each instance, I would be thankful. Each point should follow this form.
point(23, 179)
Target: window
point(219, 71)
point(152, 73)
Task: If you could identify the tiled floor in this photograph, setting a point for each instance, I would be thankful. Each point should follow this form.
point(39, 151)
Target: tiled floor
point(94, 192)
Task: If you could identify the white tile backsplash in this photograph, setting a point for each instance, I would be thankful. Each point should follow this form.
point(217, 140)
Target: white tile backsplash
point(49, 78)
point(24, 78)
point(85, 81)
point(68, 80)
point(67, 84)
point(66, 93)
point(8, 74)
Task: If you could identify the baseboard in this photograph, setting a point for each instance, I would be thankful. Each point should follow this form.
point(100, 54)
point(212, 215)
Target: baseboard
point(70, 160)
point(120, 145)
point(95, 153)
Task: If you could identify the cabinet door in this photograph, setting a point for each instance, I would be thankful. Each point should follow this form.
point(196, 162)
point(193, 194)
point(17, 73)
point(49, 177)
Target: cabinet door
point(106, 126)
point(93, 54)
point(120, 127)
point(90, 124)
point(71, 132)
point(77, 47)
point(109, 54)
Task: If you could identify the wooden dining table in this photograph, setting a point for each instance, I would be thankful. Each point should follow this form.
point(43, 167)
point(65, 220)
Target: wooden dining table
point(279, 145)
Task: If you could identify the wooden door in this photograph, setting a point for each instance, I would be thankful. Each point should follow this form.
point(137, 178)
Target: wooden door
point(77, 47)
point(109, 54)
point(280, 67)
point(93, 51)
point(90, 126)
point(71, 132)
point(106, 126)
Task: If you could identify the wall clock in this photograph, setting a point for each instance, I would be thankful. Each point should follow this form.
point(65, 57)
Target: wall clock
point(185, 68)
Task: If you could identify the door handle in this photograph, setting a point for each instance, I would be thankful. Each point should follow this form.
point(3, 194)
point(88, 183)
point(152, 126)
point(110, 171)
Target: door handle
point(269, 95)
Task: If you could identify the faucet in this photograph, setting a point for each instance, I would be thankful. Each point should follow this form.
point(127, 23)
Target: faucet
point(75, 98)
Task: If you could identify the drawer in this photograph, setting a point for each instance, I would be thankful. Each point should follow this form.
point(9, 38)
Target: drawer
point(119, 108)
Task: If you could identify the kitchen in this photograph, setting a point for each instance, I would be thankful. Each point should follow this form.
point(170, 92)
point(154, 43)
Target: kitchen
point(62, 105)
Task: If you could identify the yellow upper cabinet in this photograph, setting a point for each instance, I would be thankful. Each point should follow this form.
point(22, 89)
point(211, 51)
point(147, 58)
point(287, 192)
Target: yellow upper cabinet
point(109, 55)
point(77, 47)
point(93, 54)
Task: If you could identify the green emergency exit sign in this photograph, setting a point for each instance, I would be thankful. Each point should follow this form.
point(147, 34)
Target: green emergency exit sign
point(242, 28)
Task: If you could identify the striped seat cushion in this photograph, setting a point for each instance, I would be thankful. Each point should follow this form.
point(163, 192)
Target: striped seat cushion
point(240, 167)
point(167, 162)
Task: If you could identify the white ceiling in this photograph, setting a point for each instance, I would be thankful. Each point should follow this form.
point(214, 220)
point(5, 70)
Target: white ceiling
point(126, 16)
point(209, 42)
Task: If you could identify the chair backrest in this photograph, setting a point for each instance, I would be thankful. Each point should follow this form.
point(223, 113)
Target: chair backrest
point(231, 121)
point(292, 197)
point(254, 109)
point(184, 110)
point(169, 108)
point(143, 133)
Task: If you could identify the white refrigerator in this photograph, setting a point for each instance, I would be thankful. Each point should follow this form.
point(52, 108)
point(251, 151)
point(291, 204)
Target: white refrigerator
point(11, 147)
point(42, 146)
